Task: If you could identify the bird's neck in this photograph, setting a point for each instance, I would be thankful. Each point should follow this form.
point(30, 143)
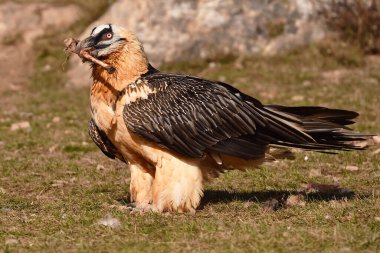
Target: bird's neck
point(129, 65)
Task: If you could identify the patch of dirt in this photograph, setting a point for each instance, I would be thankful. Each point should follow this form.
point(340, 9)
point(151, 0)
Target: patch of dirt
point(20, 26)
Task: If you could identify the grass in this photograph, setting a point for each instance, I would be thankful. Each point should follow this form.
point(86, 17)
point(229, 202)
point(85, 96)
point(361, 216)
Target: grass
point(55, 184)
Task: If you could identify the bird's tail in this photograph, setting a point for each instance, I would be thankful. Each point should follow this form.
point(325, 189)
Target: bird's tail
point(312, 128)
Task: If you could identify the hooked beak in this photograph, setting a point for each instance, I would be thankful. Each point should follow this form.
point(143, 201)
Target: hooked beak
point(86, 50)
point(87, 44)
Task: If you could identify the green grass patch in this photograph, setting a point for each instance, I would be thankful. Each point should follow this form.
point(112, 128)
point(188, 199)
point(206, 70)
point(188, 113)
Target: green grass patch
point(55, 185)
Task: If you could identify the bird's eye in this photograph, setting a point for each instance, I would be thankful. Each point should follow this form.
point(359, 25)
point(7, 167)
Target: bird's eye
point(107, 36)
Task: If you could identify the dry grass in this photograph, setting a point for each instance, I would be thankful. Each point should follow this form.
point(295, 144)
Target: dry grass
point(357, 21)
point(55, 185)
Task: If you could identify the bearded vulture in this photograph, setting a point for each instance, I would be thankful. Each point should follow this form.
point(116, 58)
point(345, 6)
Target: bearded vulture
point(177, 132)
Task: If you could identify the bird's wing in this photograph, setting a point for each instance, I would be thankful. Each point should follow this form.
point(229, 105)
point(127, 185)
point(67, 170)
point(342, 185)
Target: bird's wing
point(101, 140)
point(191, 115)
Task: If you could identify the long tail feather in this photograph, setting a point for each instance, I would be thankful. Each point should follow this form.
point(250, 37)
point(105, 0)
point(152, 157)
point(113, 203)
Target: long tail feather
point(326, 127)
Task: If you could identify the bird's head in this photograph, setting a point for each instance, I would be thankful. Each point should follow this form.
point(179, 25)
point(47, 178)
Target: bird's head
point(116, 46)
point(105, 40)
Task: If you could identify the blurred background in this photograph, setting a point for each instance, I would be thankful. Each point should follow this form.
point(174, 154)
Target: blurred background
point(291, 52)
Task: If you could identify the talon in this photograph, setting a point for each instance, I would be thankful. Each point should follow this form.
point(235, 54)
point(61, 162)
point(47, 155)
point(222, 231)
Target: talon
point(131, 205)
point(139, 208)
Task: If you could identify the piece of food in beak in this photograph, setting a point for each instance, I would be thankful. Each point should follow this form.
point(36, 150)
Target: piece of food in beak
point(74, 46)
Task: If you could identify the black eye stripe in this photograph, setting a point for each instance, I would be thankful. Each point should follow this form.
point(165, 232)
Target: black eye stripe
point(105, 46)
point(99, 36)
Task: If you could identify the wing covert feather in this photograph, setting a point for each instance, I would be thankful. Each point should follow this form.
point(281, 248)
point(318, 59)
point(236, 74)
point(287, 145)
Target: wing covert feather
point(189, 115)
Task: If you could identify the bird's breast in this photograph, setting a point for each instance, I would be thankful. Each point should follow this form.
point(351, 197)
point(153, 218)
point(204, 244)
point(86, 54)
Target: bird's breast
point(107, 112)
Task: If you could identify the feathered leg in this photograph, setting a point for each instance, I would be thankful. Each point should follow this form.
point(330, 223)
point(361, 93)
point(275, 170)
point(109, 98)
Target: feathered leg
point(177, 186)
point(141, 187)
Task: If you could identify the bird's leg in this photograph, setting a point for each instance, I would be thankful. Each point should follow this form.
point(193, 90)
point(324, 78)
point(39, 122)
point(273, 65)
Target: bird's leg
point(177, 186)
point(141, 186)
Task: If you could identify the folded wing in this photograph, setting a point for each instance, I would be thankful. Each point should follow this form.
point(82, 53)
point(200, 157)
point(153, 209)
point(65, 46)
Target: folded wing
point(192, 116)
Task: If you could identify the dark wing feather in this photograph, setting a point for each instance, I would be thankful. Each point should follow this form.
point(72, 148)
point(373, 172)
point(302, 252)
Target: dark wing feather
point(101, 140)
point(192, 116)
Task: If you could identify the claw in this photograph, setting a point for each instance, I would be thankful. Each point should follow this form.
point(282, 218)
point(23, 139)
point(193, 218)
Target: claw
point(139, 208)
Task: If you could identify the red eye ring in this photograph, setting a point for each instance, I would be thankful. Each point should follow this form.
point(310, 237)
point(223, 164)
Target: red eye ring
point(108, 36)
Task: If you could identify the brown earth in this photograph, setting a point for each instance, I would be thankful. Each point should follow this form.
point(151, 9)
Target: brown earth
point(20, 26)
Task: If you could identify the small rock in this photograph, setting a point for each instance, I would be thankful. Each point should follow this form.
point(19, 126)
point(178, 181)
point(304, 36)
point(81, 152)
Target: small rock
point(46, 68)
point(100, 167)
point(377, 218)
point(11, 241)
point(24, 125)
point(352, 168)
point(306, 158)
point(315, 172)
point(109, 221)
point(295, 200)
point(2, 144)
point(56, 119)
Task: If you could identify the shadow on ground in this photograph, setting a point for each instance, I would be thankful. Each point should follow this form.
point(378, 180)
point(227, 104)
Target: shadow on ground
point(271, 199)
point(274, 199)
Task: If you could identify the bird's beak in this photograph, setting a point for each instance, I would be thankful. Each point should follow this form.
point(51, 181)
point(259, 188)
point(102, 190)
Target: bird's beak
point(87, 44)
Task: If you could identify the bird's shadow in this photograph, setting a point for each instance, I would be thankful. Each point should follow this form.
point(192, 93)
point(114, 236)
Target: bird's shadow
point(272, 199)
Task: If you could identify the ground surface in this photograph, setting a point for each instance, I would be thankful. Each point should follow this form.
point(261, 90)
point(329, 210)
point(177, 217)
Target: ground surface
point(55, 185)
